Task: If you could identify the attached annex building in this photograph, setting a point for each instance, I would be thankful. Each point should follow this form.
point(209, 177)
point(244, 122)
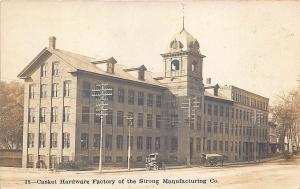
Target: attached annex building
point(174, 114)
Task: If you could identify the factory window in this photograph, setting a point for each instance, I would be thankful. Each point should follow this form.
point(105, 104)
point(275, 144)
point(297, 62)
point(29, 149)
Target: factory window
point(66, 140)
point(121, 94)
point(149, 143)
point(119, 142)
point(43, 115)
point(221, 127)
point(54, 115)
point(150, 100)
point(222, 111)
point(215, 145)
point(31, 91)
point(209, 126)
point(44, 70)
point(209, 109)
point(119, 159)
point(216, 110)
point(140, 121)
point(86, 89)
point(139, 143)
point(108, 142)
point(55, 68)
point(226, 146)
point(227, 112)
point(97, 141)
point(140, 98)
point(54, 89)
point(149, 120)
point(43, 91)
point(174, 144)
point(53, 140)
point(84, 141)
point(31, 115)
point(208, 143)
point(130, 97)
point(42, 140)
point(158, 121)
point(158, 101)
point(85, 116)
point(220, 146)
point(215, 127)
point(198, 144)
point(120, 118)
point(157, 143)
point(109, 117)
point(66, 114)
point(198, 122)
point(67, 88)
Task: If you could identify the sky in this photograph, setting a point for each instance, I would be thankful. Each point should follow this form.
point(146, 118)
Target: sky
point(254, 45)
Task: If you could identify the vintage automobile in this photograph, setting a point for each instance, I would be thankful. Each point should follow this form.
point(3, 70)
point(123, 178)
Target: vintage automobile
point(212, 159)
point(153, 162)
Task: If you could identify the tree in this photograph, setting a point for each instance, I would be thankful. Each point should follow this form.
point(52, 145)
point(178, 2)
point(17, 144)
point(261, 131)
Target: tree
point(286, 113)
point(11, 114)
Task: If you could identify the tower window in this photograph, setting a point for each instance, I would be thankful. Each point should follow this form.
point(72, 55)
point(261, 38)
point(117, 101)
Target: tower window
point(193, 66)
point(175, 65)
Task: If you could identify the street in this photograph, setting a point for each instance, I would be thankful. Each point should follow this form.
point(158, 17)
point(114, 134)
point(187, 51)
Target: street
point(276, 174)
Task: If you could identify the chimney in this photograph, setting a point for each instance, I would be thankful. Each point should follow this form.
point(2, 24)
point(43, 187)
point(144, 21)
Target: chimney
point(52, 40)
point(208, 81)
point(216, 90)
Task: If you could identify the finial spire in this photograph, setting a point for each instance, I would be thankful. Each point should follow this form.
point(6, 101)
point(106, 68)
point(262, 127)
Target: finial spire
point(182, 16)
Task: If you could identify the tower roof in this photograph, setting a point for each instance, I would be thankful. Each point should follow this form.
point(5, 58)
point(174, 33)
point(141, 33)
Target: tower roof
point(183, 41)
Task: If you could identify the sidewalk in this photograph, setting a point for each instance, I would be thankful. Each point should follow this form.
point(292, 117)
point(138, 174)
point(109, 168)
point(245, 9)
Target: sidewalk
point(118, 170)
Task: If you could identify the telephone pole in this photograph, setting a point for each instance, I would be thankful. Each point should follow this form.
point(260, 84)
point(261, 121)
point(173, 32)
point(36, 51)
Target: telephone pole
point(101, 93)
point(130, 124)
point(190, 105)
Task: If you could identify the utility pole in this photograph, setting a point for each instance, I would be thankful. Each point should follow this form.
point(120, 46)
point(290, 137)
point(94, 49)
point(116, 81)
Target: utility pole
point(130, 124)
point(101, 94)
point(258, 115)
point(190, 105)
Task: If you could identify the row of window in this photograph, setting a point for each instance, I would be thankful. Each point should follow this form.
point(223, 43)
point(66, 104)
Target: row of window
point(121, 118)
point(235, 113)
point(120, 142)
point(55, 69)
point(237, 130)
point(54, 90)
point(131, 98)
point(54, 114)
point(238, 97)
point(53, 140)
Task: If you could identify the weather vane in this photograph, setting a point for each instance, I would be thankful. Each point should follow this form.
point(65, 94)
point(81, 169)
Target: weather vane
point(182, 4)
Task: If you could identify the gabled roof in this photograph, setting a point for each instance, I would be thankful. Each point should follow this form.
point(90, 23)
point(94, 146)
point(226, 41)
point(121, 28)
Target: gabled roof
point(83, 63)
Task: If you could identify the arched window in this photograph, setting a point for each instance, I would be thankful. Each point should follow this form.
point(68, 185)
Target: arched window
point(194, 66)
point(175, 65)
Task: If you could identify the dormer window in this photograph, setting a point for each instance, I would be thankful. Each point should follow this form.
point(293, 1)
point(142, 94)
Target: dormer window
point(110, 67)
point(44, 70)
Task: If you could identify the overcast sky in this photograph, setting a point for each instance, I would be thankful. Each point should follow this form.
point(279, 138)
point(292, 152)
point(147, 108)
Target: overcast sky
point(252, 45)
